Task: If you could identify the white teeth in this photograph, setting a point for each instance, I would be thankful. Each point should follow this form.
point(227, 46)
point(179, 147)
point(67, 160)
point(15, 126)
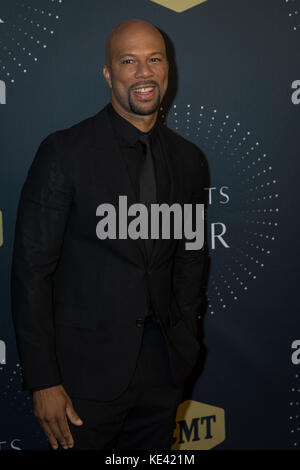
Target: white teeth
point(144, 90)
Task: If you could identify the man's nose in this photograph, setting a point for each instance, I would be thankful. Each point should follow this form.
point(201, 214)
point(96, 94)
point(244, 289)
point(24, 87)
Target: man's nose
point(143, 70)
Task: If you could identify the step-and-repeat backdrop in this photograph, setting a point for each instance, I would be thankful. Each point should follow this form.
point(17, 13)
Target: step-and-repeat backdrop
point(234, 92)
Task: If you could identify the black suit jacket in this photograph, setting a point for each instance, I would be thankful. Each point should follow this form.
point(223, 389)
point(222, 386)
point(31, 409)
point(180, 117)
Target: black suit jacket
point(77, 300)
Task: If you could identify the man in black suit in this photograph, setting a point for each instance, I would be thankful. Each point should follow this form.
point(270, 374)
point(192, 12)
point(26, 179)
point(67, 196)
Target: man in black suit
point(107, 327)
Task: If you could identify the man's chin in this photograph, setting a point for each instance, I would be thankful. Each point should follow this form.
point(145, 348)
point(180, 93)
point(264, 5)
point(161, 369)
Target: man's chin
point(144, 109)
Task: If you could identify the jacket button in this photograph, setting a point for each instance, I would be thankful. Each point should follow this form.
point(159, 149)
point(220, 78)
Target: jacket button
point(139, 322)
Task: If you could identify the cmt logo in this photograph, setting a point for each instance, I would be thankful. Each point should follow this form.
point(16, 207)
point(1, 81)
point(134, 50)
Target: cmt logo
point(178, 5)
point(198, 426)
point(295, 97)
point(2, 352)
point(2, 92)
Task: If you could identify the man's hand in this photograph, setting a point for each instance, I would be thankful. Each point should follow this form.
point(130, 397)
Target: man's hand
point(52, 406)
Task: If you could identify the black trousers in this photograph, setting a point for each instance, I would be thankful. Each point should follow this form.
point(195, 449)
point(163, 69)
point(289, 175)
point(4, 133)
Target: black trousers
point(143, 417)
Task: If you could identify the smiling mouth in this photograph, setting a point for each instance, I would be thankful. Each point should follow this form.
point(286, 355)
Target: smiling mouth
point(144, 92)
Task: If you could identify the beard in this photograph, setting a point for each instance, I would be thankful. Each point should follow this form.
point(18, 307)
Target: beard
point(140, 108)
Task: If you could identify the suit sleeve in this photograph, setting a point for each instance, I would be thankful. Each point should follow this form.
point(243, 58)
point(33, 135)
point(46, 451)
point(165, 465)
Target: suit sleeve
point(42, 216)
point(188, 266)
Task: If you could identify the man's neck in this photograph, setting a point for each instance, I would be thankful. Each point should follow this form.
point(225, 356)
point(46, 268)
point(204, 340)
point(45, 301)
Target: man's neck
point(143, 123)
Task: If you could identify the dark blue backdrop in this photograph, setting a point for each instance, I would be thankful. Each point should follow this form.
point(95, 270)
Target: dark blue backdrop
point(238, 99)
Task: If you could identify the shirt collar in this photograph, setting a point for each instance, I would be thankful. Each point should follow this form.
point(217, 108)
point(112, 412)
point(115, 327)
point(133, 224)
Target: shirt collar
point(127, 133)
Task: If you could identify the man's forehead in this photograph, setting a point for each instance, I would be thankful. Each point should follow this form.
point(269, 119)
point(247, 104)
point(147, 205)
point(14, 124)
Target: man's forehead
point(130, 45)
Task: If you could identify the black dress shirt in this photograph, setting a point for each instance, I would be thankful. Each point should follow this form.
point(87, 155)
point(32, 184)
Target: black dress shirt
point(127, 136)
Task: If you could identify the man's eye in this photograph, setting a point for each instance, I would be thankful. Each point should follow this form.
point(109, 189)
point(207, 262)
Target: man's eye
point(127, 61)
point(156, 59)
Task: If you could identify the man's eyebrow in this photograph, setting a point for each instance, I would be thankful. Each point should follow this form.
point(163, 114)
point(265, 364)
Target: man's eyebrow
point(134, 55)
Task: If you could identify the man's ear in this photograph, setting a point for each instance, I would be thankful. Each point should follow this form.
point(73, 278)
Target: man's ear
point(107, 74)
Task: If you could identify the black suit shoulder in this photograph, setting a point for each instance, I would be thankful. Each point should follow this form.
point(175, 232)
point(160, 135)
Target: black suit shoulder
point(186, 149)
point(65, 149)
point(73, 135)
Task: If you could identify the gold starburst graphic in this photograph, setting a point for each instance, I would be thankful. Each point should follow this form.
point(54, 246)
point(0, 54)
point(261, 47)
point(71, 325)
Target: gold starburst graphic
point(178, 5)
